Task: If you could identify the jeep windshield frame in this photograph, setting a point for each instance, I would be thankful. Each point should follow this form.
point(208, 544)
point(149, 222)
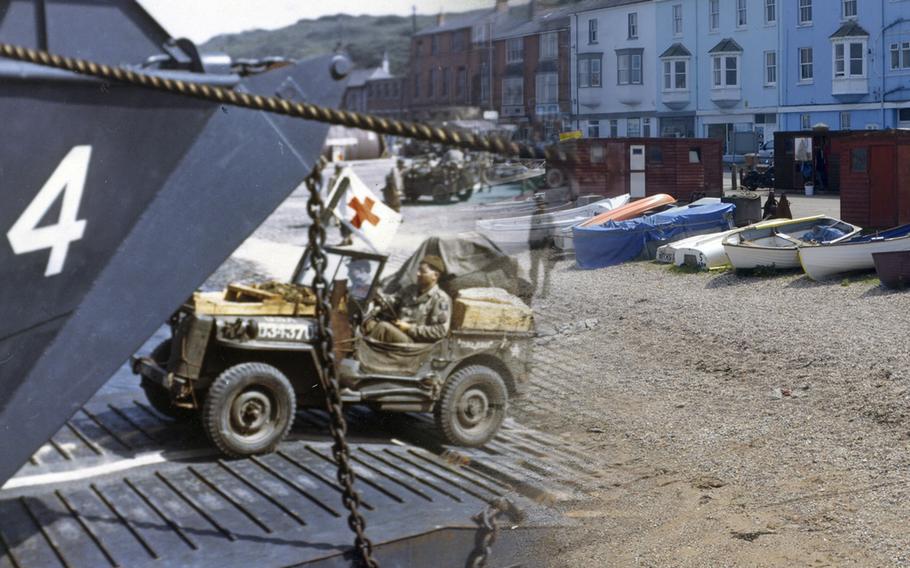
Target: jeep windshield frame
point(339, 257)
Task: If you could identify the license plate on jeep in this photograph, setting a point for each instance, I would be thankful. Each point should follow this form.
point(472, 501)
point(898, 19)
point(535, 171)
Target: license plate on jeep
point(285, 332)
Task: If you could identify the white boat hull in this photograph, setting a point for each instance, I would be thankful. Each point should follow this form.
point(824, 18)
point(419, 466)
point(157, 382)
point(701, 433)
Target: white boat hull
point(701, 251)
point(745, 257)
point(824, 261)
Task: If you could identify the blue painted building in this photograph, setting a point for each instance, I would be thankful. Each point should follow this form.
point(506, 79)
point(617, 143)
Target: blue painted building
point(835, 69)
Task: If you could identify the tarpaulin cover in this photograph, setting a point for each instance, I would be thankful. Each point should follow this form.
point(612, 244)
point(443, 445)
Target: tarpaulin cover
point(616, 242)
point(471, 260)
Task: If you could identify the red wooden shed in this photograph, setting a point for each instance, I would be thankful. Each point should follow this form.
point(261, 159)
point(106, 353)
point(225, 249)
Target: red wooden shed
point(680, 167)
point(874, 170)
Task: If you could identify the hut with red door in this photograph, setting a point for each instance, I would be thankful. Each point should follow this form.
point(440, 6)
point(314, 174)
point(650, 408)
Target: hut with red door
point(874, 168)
point(682, 167)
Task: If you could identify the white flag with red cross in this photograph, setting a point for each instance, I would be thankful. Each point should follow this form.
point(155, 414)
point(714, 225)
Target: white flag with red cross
point(362, 211)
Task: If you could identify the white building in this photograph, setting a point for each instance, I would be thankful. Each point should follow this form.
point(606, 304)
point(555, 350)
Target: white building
point(614, 90)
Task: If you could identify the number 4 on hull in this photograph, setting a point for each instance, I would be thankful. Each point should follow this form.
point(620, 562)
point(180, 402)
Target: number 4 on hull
point(26, 236)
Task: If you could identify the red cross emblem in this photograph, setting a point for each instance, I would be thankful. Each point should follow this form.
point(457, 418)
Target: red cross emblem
point(363, 212)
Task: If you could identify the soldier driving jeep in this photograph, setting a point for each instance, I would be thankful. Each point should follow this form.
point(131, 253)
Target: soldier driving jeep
point(423, 310)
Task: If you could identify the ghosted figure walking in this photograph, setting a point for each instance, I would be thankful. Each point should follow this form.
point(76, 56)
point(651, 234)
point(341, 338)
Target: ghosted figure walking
point(539, 248)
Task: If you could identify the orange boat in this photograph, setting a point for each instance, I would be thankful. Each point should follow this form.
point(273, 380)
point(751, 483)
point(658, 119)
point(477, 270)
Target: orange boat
point(631, 210)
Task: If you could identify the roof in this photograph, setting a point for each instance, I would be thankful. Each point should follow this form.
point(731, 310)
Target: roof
point(589, 5)
point(726, 45)
point(676, 50)
point(850, 29)
point(458, 21)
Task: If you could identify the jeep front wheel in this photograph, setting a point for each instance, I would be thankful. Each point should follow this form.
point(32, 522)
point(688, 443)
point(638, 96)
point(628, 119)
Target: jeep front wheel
point(472, 406)
point(249, 409)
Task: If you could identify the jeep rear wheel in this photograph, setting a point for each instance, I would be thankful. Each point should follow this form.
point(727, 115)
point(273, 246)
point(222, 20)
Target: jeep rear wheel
point(156, 394)
point(472, 406)
point(249, 409)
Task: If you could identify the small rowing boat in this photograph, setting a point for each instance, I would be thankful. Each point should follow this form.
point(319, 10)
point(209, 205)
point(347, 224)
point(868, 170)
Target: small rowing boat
point(775, 243)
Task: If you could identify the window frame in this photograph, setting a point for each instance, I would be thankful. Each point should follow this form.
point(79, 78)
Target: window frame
point(593, 127)
point(900, 49)
point(550, 39)
point(555, 87)
point(632, 25)
point(510, 90)
point(673, 74)
point(804, 5)
point(630, 55)
point(592, 31)
point(677, 20)
point(629, 122)
point(720, 70)
point(846, 59)
point(843, 9)
point(513, 54)
point(803, 79)
point(768, 66)
point(713, 15)
point(849, 121)
point(742, 14)
point(586, 60)
point(770, 7)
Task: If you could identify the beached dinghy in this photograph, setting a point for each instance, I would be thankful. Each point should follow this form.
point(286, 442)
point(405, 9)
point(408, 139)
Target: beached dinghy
point(775, 244)
point(824, 260)
point(513, 232)
point(701, 251)
point(619, 241)
point(563, 238)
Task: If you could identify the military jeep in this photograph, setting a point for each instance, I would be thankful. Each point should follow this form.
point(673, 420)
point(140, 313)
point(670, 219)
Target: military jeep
point(243, 360)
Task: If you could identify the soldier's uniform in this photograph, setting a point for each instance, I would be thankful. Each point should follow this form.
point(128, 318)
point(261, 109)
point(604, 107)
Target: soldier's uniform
point(429, 313)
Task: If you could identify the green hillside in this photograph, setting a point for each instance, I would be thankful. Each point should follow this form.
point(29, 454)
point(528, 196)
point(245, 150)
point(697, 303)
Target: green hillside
point(365, 38)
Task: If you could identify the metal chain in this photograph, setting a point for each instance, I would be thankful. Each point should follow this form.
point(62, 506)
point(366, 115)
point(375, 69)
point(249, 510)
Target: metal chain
point(486, 536)
point(325, 354)
point(278, 105)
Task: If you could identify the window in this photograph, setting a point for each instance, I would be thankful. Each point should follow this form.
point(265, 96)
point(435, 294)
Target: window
point(633, 25)
point(725, 71)
point(903, 115)
point(848, 9)
point(900, 55)
point(770, 11)
point(741, 14)
point(713, 15)
point(593, 129)
point(694, 155)
point(513, 91)
point(614, 128)
point(805, 12)
point(431, 83)
point(676, 74)
point(770, 68)
point(461, 83)
point(805, 122)
point(547, 89)
point(434, 44)
point(444, 88)
point(416, 86)
point(628, 66)
point(850, 59)
point(677, 19)
point(479, 33)
point(589, 70)
point(515, 50)
point(805, 64)
point(633, 127)
point(549, 45)
point(457, 41)
point(845, 120)
point(655, 155)
point(598, 154)
point(646, 127)
point(484, 82)
point(592, 30)
point(859, 157)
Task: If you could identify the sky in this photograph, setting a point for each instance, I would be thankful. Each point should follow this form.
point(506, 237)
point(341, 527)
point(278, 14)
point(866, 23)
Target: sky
point(200, 20)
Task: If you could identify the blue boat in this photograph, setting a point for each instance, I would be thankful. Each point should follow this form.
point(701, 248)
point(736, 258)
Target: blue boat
point(616, 242)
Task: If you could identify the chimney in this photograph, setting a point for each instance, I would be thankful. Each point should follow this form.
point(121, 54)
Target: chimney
point(385, 61)
point(440, 18)
point(413, 20)
point(532, 9)
point(502, 6)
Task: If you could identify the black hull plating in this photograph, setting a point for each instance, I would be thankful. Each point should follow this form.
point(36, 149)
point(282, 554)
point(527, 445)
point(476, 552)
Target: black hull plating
point(173, 186)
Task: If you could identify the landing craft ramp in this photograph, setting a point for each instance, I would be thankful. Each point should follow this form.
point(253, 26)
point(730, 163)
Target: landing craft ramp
point(121, 485)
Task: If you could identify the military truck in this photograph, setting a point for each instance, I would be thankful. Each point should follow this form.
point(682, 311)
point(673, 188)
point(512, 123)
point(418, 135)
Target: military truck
point(443, 178)
point(243, 359)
